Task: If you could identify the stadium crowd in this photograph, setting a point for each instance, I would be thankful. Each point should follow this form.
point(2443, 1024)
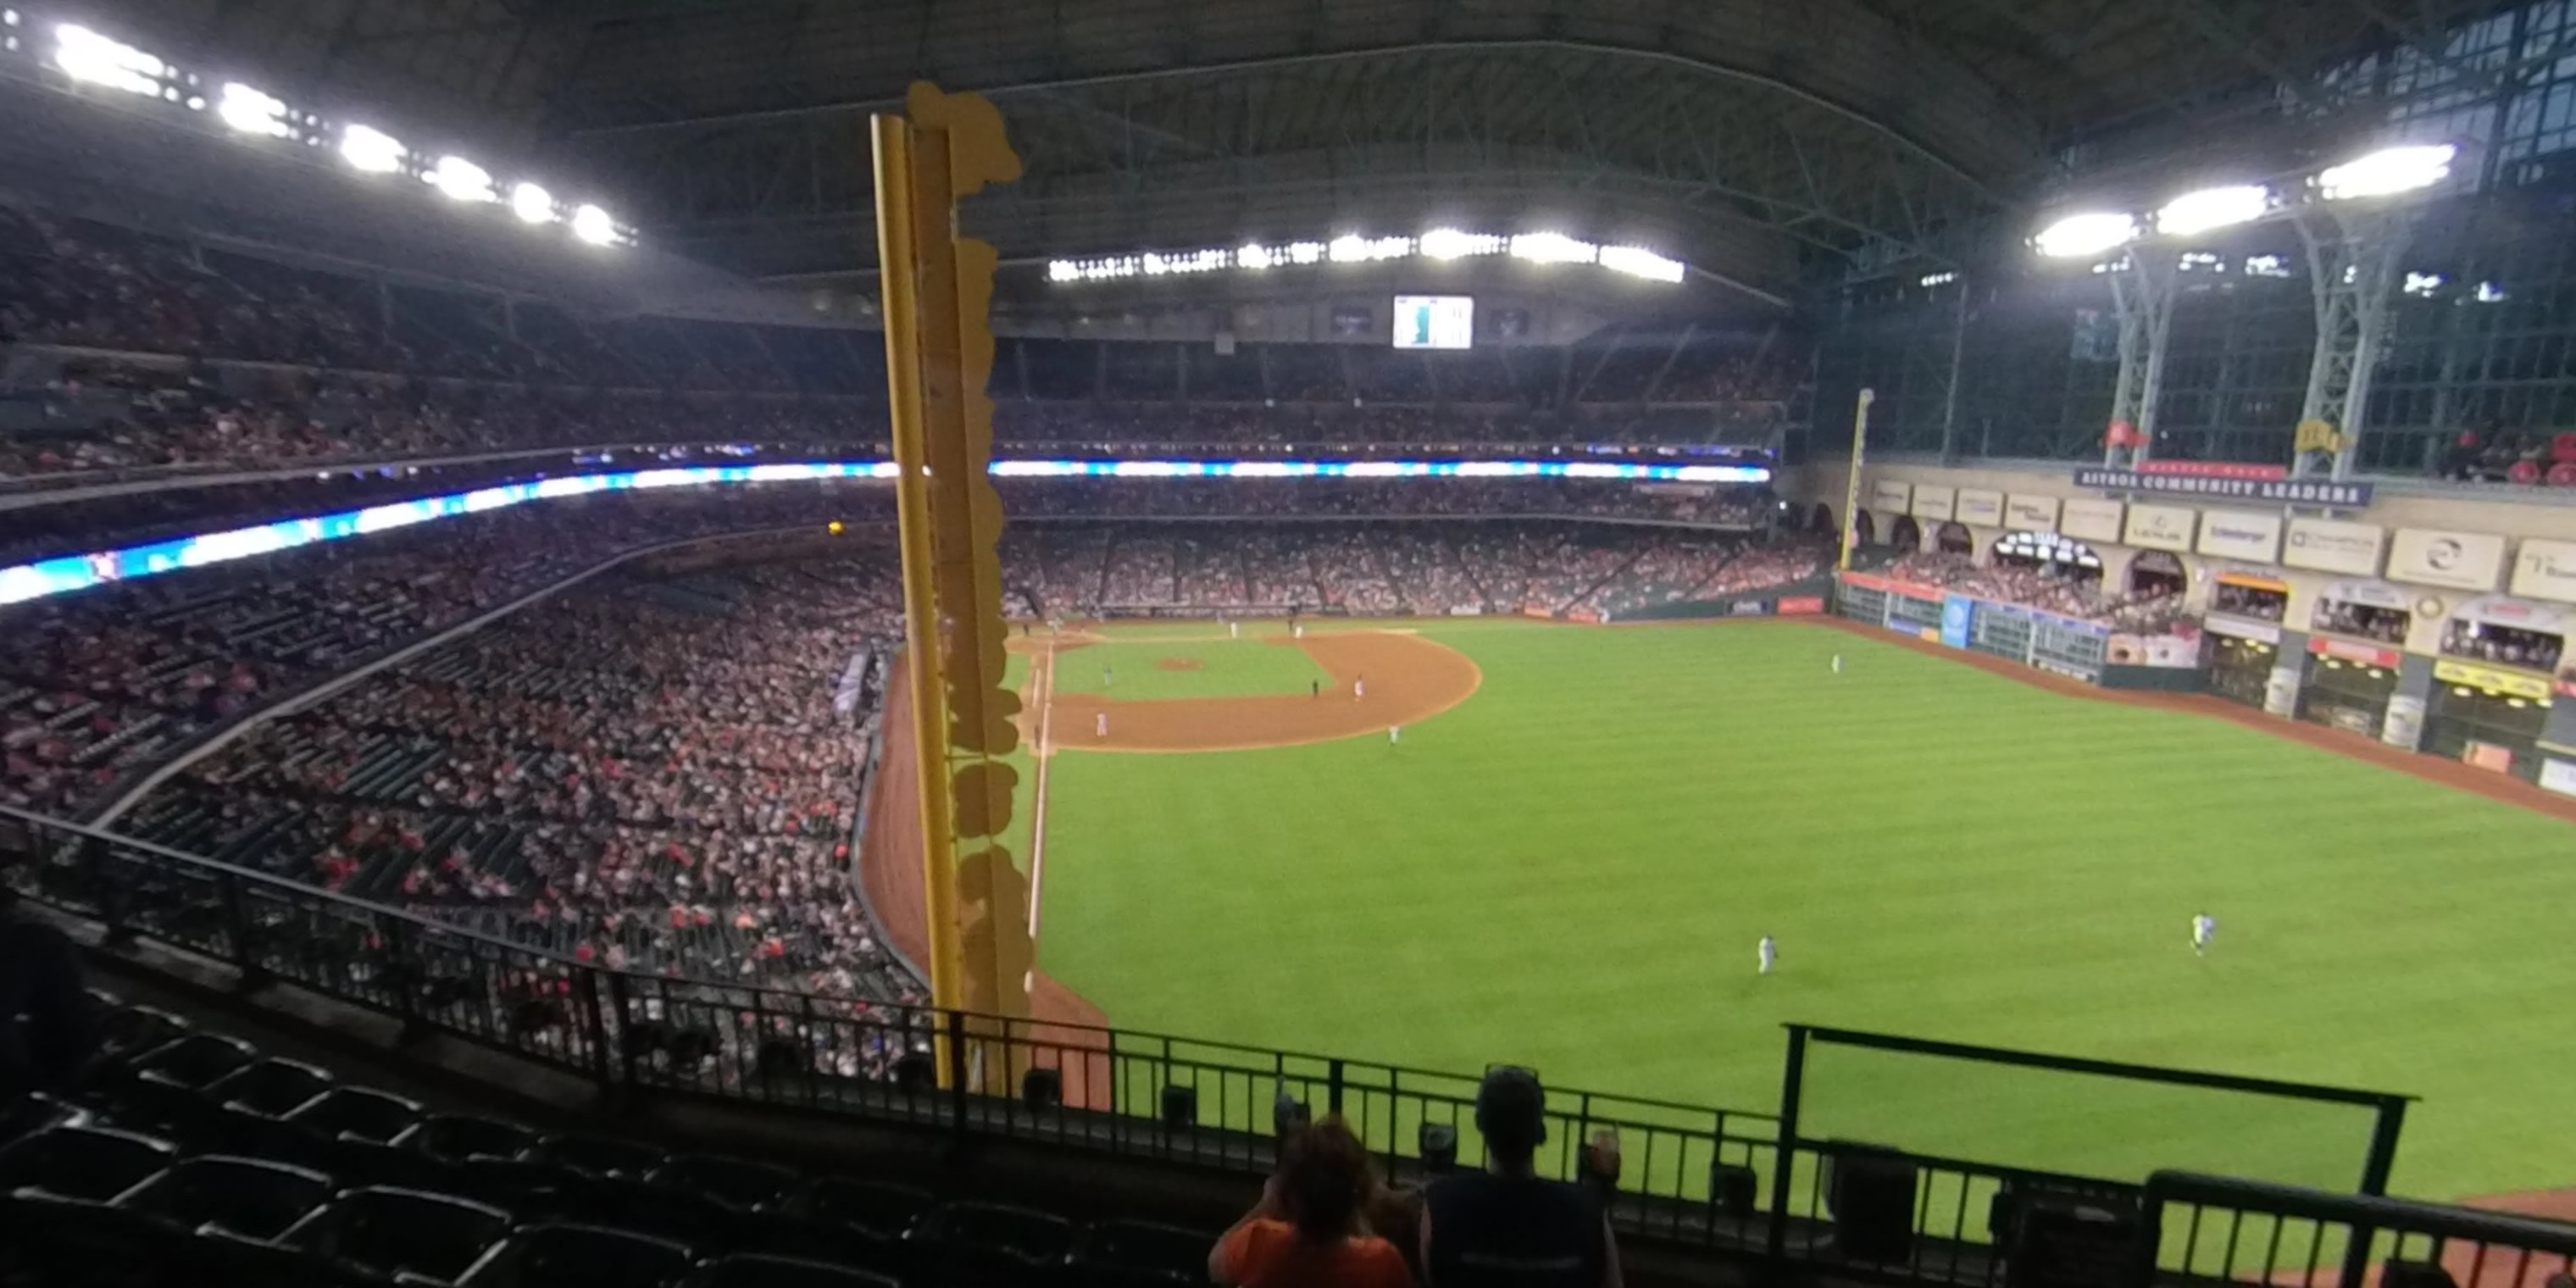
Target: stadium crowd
point(2062, 589)
point(165, 352)
point(656, 774)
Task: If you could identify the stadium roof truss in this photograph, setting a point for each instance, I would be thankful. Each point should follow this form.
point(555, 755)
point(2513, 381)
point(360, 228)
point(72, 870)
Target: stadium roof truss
point(1757, 139)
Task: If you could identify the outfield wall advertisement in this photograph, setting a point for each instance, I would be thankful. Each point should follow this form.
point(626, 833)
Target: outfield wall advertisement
point(1934, 503)
point(2160, 527)
point(2030, 513)
point(2545, 570)
point(2457, 560)
point(2087, 519)
point(2331, 545)
point(1981, 508)
point(2241, 535)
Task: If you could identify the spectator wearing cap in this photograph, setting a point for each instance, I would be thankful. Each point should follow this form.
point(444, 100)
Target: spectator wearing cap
point(1506, 1227)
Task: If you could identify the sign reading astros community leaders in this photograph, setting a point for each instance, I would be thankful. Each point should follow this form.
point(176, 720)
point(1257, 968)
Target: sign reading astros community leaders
point(2346, 496)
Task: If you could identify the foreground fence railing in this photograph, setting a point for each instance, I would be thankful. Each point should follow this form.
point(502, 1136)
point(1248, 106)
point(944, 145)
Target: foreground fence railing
point(1779, 1189)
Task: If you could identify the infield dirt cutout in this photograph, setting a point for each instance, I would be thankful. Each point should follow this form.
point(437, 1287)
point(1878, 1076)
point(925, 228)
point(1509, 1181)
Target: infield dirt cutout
point(1378, 679)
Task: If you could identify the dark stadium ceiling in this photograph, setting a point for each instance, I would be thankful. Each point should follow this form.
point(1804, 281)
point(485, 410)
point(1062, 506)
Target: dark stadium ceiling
point(1761, 140)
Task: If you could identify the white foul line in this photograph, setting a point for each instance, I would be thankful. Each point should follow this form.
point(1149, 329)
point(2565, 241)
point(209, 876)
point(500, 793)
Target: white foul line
point(1037, 811)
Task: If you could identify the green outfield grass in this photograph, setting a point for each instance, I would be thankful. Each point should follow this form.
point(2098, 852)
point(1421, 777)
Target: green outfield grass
point(1570, 871)
point(1129, 667)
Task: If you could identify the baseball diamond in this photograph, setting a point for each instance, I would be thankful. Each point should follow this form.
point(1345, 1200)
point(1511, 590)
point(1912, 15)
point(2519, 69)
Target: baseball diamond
point(1595, 824)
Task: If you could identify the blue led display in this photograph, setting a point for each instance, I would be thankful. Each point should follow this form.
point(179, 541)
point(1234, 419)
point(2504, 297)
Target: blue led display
point(80, 572)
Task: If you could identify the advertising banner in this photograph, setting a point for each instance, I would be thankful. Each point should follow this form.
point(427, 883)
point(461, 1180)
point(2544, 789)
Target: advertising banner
point(1889, 585)
point(2498, 610)
point(2175, 652)
point(2487, 679)
point(1749, 608)
point(2331, 545)
point(2341, 496)
point(1887, 496)
point(2559, 776)
point(1981, 507)
point(2160, 527)
point(2460, 560)
point(2238, 534)
point(2251, 581)
point(1587, 616)
point(2244, 629)
point(2368, 655)
point(1801, 606)
point(2030, 513)
point(2404, 726)
point(1956, 614)
point(2086, 519)
point(1934, 503)
point(2377, 594)
point(2488, 755)
point(2545, 570)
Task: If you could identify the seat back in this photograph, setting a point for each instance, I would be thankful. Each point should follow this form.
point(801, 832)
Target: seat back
point(1141, 1252)
point(879, 1207)
point(95, 1163)
point(457, 1137)
point(356, 1111)
point(580, 1256)
point(783, 1272)
point(734, 1182)
point(245, 1196)
point(391, 1231)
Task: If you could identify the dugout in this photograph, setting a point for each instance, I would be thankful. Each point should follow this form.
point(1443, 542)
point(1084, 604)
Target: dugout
point(2241, 662)
point(2348, 686)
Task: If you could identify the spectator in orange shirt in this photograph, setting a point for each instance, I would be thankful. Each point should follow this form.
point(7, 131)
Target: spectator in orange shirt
point(1307, 1230)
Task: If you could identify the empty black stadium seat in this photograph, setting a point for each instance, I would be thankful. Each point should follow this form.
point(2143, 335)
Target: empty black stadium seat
point(356, 1161)
point(992, 1244)
point(1121, 1254)
point(272, 1086)
point(579, 1256)
point(783, 1272)
point(784, 1234)
point(598, 1155)
point(619, 1203)
point(82, 1162)
point(395, 1231)
point(195, 1060)
point(457, 1137)
point(530, 1190)
point(125, 1032)
point(244, 1196)
point(734, 1182)
point(362, 1112)
point(879, 1207)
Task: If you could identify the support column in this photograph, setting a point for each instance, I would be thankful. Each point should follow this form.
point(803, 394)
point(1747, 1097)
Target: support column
point(2142, 298)
point(2353, 274)
point(2403, 728)
point(2289, 675)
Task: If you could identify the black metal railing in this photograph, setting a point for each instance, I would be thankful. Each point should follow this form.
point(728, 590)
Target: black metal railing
point(1750, 1185)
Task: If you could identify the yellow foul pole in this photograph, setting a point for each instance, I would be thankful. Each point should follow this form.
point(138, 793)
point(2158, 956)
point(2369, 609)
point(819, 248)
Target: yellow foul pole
point(896, 259)
point(1851, 485)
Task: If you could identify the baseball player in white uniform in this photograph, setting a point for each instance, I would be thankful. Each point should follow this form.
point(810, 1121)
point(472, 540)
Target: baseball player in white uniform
point(1394, 735)
point(1766, 954)
point(1100, 725)
point(1838, 663)
point(2204, 932)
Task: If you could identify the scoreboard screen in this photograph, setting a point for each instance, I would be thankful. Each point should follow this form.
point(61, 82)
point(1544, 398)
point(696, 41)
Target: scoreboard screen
point(1435, 321)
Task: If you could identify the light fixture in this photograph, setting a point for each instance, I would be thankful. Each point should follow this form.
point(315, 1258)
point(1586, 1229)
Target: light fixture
point(252, 112)
point(2389, 171)
point(1553, 248)
point(1254, 255)
point(2091, 233)
point(1637, 261)
point(2211, 209)
point(88, 57)
point(1449, 243)
point(592, 224)
point(532, 204)
point(460, 179)
point(370, 150)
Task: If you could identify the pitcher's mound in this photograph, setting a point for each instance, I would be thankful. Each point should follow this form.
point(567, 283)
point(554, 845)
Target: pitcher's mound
point(1176, 664)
